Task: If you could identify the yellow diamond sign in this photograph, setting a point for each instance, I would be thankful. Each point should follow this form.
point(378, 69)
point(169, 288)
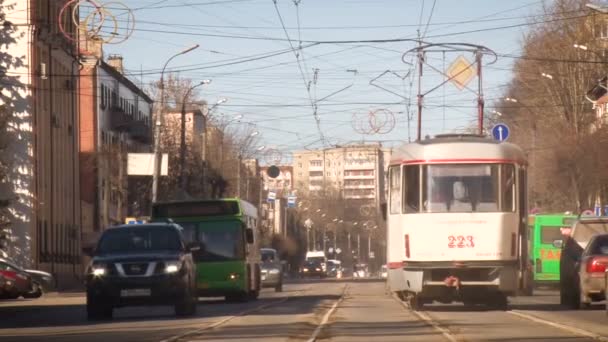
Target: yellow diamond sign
point(461, 72)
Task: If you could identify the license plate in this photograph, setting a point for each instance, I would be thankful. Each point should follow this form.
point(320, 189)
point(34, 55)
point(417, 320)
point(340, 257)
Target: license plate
point(263, 277)
point(135, 293)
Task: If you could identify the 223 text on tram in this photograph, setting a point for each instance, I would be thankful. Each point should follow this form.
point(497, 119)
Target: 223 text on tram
point(460, 241)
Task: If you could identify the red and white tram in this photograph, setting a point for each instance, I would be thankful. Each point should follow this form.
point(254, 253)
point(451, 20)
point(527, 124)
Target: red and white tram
point(457, 219)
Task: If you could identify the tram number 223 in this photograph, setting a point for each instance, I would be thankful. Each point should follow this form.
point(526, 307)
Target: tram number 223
point(459, 241)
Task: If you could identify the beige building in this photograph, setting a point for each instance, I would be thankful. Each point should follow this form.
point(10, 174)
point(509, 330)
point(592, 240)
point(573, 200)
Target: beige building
point(40, 88)
point(356, 172)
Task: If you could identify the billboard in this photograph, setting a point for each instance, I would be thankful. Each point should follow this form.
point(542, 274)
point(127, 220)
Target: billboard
point(142, 164)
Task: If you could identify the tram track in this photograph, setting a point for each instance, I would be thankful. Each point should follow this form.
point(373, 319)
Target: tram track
point(456, 336)
point(213, 326)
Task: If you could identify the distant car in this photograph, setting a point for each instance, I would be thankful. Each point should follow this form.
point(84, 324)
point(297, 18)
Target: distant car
point(383, 272)
point(147, 264)
point(313, 269)
point(583, 263)
point(360, 271)
point(38, 283)
point(271, 269)
point(334, 269)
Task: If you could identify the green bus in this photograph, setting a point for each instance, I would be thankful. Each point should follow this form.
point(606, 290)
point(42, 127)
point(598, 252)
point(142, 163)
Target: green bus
point(228, 261)
point(545, 229)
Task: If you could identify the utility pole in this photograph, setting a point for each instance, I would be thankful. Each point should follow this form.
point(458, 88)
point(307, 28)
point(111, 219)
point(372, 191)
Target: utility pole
point(182, 143)
point(157, 127)
point(238, 176)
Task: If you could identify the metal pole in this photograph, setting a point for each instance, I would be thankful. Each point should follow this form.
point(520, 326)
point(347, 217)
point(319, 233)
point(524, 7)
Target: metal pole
point(369, 245)
point(324, 238)
point(238, 178)
point(420, 96)
point(359, 247)
point(307, 239)
point(204, 156)
point(182, 144)
point(157, 128)
point(314, 239)
point(480, 100)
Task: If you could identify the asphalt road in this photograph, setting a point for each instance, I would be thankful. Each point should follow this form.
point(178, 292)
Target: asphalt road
point(329, 310)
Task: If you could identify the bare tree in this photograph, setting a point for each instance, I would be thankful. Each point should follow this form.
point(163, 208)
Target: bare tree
point(552, 119)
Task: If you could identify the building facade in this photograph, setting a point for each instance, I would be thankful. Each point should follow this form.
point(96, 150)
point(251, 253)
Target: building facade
point(41, 89)
point(357, 173)
point(115, 119)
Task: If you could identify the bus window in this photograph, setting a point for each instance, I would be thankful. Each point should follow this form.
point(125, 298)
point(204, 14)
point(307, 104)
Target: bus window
point(395, 189)
point(508, 188)
point(548, 234)
point(411, 189)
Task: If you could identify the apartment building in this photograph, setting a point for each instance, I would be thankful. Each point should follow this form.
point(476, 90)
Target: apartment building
point(357, 173)
point(39, 86)
point(115, 119)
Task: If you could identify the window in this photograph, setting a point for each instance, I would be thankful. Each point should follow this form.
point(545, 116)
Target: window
point(395, 189)
point(549, 234)
point(601, 29)
point(316, 163)
point(315, 174)
point(299, 165)
point(468, 188)
point(104, 97)
point(411, 188)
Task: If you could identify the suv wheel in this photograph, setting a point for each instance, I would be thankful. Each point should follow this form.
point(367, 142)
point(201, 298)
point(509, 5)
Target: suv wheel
point(97, 309)
point(186, 305)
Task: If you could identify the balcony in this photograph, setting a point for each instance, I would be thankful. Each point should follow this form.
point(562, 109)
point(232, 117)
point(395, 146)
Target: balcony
point(119, 119)
point(140, 131)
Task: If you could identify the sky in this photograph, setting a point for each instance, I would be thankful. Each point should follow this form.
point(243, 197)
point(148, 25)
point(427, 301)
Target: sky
point(248, 49)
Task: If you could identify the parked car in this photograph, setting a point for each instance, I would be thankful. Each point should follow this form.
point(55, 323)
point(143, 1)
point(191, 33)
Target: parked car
point(313, 268)
point(271, 269)
point(383, 272)
point(146, 264)
point(360, 271)
point(583, 263)
point(27, 283)
point(334, 268)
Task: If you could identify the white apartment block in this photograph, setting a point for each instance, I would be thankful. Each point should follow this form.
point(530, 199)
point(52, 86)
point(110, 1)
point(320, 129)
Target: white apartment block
point(357, 172)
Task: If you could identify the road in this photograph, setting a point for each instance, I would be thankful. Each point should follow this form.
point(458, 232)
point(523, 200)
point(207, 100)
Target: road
point(330, 310)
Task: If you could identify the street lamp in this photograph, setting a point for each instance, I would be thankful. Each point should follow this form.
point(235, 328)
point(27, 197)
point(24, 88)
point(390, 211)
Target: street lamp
point(497, 112)
point(582, 47)
point(182, 147)
point(159, 116)
point(547, 76)
point(510, 99)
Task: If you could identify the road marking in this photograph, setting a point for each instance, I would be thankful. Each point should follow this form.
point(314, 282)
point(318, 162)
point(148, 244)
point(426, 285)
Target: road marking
point(564, 327)
point(229, 318)
point(430, 322)
point(328, 314)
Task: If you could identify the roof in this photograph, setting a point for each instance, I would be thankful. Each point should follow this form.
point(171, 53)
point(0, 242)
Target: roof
point(599, 90)
point(125, 81)
point(145, 225)
point(455, 148)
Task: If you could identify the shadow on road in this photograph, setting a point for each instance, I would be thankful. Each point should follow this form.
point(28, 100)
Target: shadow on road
point(58, 315)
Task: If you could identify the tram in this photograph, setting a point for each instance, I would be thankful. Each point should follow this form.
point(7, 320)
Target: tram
point(457, 221)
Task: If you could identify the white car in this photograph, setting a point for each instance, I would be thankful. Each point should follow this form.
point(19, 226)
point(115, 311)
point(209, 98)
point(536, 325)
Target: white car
point(383, 272)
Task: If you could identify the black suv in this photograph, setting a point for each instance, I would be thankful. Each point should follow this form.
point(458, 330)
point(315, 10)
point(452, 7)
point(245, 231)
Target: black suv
point(147, 264)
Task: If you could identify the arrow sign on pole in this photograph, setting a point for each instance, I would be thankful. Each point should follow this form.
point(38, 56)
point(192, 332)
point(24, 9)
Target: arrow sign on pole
point(500, 132)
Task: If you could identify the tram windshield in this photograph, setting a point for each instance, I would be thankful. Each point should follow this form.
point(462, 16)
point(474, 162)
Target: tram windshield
point(468, 188)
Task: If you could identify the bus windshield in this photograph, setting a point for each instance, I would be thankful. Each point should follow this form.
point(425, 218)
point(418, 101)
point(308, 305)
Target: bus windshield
point(468, 188)
point(219, 240)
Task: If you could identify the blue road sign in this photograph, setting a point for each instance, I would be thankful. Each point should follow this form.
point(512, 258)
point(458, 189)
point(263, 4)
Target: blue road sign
point(500, 132)
point(271, 196)
point(291, 201)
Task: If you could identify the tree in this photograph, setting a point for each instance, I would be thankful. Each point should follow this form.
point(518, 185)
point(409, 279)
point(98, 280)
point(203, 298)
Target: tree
point(552, 120)
point(12, 105)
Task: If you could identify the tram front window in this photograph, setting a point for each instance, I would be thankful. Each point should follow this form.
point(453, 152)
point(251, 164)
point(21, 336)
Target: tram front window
point(468, 188)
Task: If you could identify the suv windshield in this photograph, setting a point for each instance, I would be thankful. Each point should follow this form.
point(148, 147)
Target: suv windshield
point(268, 256)
point(136, 240)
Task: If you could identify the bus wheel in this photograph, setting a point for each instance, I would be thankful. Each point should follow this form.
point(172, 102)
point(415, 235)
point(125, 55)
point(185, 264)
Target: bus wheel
point(415, 302)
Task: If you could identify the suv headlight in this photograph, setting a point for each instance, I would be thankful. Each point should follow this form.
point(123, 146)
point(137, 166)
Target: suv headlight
point(172, 266)
point(98, 270)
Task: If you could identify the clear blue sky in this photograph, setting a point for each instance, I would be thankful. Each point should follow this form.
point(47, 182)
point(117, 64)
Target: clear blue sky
point(260, 89)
